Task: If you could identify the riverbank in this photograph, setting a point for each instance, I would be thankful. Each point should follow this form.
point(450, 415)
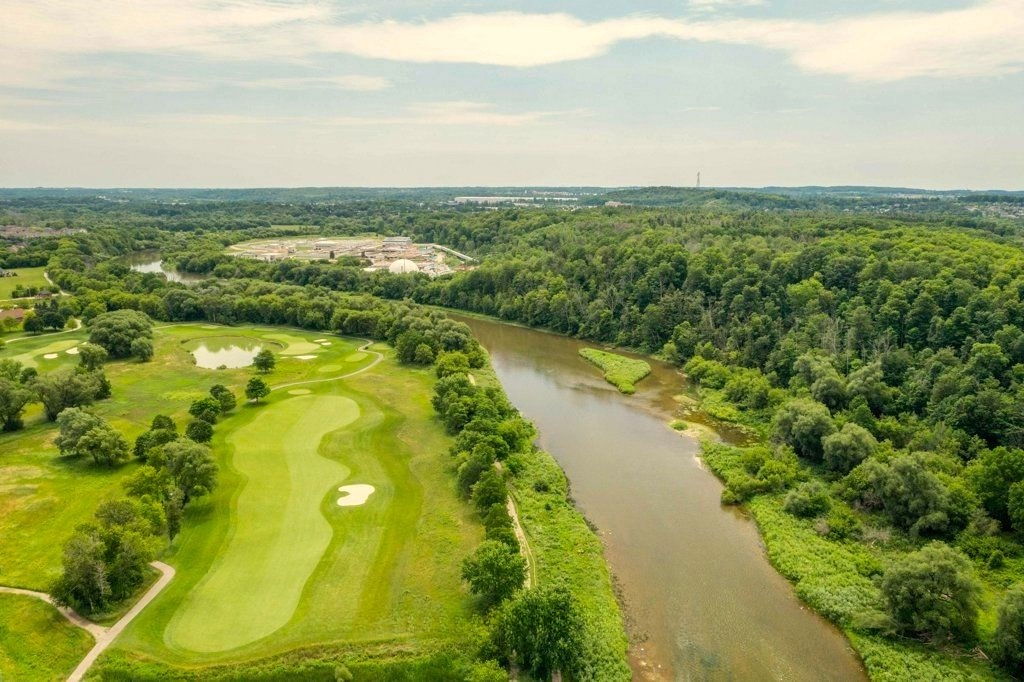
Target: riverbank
point(564, 549)
point(836, 579)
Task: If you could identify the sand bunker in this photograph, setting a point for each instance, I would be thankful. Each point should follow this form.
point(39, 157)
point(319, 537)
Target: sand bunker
point(50, 356)
point(210, 326)
point(299, 391)
point(355, 494)
point(319, 340)
point(304, 357)
point(325, 343)
point(72, 351)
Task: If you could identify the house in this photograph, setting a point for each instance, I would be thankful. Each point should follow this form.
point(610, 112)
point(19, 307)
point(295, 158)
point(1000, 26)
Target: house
point(17, 314)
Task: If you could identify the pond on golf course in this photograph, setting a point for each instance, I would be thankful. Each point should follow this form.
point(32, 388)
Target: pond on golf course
point(150, 261)
point(701, 600)
point(214, 352)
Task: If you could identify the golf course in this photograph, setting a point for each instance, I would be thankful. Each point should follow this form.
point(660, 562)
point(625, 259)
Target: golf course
point(335, 522)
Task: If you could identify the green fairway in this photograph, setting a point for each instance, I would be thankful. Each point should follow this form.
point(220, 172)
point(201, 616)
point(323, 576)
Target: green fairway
point(279, 532)
point(43, 496)
point(45, 353)
point(36, 642)
point(25, 277)
point(275, 556)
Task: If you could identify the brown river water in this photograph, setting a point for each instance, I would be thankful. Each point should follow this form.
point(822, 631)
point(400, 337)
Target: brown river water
point(701, 600)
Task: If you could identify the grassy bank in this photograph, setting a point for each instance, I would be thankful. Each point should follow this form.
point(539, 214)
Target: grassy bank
point(567, 550)
point(621, 372)
point(837, 579)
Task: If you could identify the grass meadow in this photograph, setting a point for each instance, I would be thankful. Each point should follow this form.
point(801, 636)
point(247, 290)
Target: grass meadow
point(25, 277)
point(36, 642)
point(620, 371)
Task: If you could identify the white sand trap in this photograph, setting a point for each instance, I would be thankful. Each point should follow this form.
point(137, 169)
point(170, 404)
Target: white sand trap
point(355, 494)
point(299, 391)
point(319, 340)
point(50, 356)
point(304, 357)
point(72, 351)
point(325, 343)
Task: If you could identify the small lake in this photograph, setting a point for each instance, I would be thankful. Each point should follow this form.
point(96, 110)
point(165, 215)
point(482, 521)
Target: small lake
point(230, 352)
point(701, 600)
point(150, 261)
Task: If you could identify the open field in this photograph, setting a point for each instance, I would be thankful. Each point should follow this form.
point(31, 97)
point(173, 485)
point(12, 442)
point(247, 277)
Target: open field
point(37, 642)
point(619, 371)
point(26, 277)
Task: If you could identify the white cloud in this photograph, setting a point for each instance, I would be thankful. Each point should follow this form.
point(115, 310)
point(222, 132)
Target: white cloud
point(353, 82)
point(16, 125)
point(984, 39)
point(454, 113)
point(722, 4)
point(43, 37)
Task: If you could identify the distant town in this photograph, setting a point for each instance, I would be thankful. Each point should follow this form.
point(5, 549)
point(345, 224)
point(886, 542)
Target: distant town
point(398, 255)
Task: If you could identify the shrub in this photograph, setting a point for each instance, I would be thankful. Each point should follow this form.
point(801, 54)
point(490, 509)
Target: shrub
point(803, 424)
point(494, 572)
point(933, 592)
point(489, 490)
point(842, 524)
point(807, 500)
point(1009, 637)
point(116, 331)
point(848, 447)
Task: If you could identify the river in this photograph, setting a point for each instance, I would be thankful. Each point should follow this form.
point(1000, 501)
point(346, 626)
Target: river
point(700, 598)
point(149, 261)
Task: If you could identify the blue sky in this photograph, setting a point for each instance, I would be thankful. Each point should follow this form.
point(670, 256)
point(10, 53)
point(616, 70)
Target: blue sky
point(395, 92)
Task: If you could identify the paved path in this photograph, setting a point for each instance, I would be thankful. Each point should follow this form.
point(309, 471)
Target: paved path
point(73, 616)
point(78, 325)
point(103, 636)
point(365, 347)
point(108, 635)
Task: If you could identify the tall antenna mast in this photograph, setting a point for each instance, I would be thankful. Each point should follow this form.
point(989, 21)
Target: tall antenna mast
point(698, 179)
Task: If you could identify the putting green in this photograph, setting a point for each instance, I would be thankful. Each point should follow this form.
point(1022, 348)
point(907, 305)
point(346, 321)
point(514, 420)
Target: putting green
point(326, 369)
point(294, 345)
point(31, 358)
point(278, 531)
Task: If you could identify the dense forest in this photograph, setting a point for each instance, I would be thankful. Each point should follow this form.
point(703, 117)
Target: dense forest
point(876, 360)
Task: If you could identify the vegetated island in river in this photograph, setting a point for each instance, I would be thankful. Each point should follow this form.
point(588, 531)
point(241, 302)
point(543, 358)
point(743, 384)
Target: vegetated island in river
point(621, 372)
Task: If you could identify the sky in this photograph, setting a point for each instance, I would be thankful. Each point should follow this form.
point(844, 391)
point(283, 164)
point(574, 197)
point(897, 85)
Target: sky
point(244, 93)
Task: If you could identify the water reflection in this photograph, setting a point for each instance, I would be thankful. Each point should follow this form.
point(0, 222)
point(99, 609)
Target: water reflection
point(230, 352)
point(702, 600)
point(150, 261)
